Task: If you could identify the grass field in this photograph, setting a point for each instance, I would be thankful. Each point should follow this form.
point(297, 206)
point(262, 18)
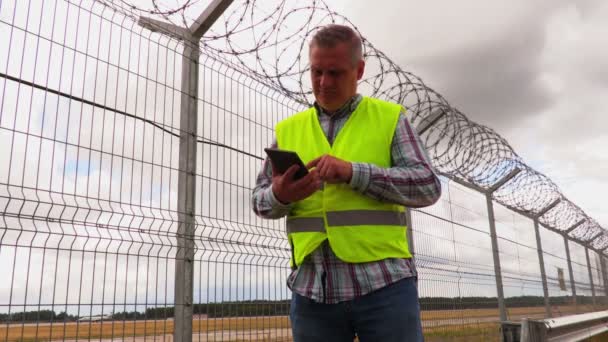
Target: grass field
point(440, 325)
point(535, 311)
point(29, 333)
point(118, 329)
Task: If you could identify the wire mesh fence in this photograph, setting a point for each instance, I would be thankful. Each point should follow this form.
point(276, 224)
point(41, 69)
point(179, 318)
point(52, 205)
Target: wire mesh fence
point(558, 276)
point(89, 173)
point(94, 233)
point(456, 280)
point(520, 264)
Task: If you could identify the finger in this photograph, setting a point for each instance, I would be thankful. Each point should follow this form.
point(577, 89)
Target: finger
point(318, 183)
point(324, 171)
point(314, 175)
point(313, 163)
point(275, 171)
point(327, 170)
point(311, 188)
point(291, 172)
point(304, 181)
point(321, 166)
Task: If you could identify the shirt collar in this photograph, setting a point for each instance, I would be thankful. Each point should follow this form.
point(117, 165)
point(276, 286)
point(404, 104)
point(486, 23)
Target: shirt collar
point(347, 108)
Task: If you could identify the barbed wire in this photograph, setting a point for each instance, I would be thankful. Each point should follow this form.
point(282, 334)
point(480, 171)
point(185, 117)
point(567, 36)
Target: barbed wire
point(268, 42)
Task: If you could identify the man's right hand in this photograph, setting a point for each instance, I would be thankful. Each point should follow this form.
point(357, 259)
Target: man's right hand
point(287, 190)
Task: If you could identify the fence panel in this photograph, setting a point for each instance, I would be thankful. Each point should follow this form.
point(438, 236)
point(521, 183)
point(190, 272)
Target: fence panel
point(90, 136)
point(241, 261)
point(520, 266)
point(581, 277)
point(88, 174)
point(558, 277)
point(454, 260)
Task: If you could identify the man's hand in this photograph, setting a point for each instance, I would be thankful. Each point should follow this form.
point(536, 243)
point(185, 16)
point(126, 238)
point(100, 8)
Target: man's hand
point(331, 169)
point(287, 190)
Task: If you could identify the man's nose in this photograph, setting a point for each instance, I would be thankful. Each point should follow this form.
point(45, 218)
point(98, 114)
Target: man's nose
point(325, 81)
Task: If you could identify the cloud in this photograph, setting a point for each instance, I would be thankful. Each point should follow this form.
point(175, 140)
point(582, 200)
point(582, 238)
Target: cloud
point(534, 72)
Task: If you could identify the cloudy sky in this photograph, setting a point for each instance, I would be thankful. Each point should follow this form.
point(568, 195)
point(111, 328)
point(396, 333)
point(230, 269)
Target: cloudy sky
point(535, 71)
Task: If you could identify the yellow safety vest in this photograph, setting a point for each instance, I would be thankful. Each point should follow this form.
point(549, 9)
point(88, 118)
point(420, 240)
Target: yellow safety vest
point(359, 228)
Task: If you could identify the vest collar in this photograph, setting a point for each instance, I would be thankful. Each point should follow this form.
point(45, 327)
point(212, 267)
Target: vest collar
point(347, 109)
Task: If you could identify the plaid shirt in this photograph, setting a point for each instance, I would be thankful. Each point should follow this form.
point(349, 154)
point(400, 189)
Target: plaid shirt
point(323, 277)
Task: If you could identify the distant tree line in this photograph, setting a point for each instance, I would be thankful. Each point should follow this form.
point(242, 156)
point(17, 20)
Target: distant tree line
point(36, 316)
point(281, 308)
point(460, 303)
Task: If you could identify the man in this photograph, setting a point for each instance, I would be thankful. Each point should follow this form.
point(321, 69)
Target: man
point(353, 274)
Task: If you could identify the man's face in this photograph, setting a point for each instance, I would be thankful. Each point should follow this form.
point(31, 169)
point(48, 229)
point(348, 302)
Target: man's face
point(333, 74)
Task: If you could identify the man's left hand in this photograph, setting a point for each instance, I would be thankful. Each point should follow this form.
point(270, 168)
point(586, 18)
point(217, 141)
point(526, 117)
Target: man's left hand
point(332, 170)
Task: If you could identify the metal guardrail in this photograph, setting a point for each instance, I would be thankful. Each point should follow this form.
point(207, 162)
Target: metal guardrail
point(568, 328)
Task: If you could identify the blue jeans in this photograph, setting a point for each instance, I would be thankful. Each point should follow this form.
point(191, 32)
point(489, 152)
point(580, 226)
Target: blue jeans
point(389, 314)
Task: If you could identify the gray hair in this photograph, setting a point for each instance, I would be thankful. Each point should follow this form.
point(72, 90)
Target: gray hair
point(331, 35)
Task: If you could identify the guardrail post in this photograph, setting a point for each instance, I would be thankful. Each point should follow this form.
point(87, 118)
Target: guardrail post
point(525, 330)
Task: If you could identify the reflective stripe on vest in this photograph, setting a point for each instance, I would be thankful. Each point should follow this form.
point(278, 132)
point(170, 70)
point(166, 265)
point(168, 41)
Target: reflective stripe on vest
point(305, 225)
point(346, 218)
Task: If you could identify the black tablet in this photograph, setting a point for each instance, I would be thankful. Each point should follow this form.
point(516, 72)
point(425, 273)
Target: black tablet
point(283, 160)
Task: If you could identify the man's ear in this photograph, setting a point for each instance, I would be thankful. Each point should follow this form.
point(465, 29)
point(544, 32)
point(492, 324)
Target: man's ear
point(360, 69)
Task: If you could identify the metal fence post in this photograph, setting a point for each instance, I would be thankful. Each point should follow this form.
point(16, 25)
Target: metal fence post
point(590, 276)
point(494, 237)
point(497, 271)
point(184, 267)
point(410, 232)
point(184, 262)
point(410, 235)
point(541, 261)
point(572, 284)
point(604, 274)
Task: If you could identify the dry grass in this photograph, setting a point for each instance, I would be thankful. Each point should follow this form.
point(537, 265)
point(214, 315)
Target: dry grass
point(482, 331)
point(118, 329)
point(534, 311)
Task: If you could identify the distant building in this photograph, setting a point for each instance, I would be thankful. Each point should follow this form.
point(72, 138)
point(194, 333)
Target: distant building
point(95, 318)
